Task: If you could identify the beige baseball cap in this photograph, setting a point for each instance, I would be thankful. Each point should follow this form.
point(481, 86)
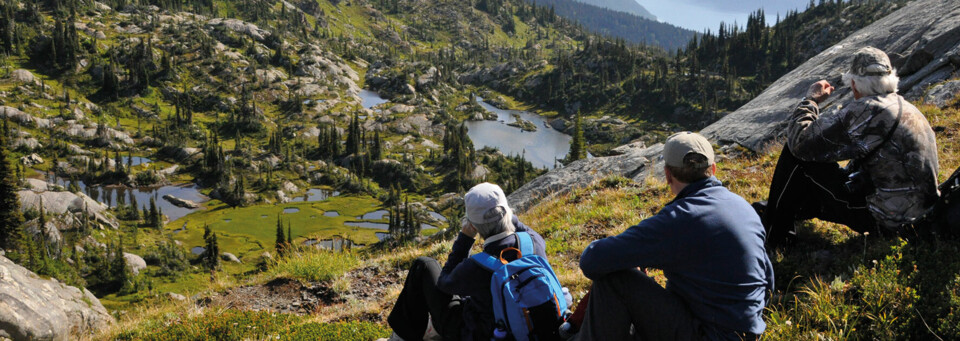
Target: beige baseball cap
point(680, 144)
point(870, 61)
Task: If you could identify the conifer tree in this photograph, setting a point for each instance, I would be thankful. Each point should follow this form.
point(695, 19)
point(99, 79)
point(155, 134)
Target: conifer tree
point(211, 255)
point(376, 151)
point(118, 267)
point(577, 149)
point(154, 220)
point(11, 220)
point(281, 240)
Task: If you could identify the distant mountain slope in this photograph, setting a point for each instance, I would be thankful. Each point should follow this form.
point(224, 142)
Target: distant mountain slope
point(614, 23)
point(628, 6)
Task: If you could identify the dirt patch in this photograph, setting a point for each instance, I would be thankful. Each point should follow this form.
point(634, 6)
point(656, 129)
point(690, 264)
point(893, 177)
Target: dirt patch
point(286, 295)
point(280, 295)
point(371, 283)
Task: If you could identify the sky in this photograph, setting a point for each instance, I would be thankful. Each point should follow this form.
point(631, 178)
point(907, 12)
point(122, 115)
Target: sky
point(698, 15)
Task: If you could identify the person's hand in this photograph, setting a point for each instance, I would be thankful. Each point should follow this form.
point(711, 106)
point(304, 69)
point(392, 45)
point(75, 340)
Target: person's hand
point(819, 91)
point(468, 230)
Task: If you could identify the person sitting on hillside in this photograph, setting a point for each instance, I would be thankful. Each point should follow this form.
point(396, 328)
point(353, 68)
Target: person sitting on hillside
point(709, 244)
point(892, 178)
point(457, 296)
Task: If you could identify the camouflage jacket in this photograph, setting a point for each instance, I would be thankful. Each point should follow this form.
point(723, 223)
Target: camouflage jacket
point(903, 171)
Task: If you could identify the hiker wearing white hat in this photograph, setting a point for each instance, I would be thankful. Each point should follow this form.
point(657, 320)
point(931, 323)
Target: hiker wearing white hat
point(457, 296)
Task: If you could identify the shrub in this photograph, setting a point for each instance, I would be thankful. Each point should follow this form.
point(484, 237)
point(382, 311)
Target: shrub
point(315, 265)
point(343, 331)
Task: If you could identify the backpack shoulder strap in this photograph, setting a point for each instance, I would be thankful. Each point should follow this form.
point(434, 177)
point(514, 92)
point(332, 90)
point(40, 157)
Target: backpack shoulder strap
point(525, 243)
point(896, 124)
point(487, 261)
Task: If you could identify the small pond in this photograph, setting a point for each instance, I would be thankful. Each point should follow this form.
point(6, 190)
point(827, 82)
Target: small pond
point(116, 195)
point(316, 194)
point(382, 236)
point(437, 216)
point(375, 215)
point(291, 210)
point(368, 225)
point(197, 250)
point(540, 147)
point(135, 160)
point(331, 214)
point(370, 99)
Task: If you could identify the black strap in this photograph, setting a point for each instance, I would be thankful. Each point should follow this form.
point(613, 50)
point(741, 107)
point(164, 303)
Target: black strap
point(887, 138)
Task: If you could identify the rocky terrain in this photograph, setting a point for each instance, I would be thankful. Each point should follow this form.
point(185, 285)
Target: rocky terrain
point(33, 308)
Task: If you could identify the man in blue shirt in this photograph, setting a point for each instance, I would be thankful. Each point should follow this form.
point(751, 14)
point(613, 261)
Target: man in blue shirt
point(709, 243)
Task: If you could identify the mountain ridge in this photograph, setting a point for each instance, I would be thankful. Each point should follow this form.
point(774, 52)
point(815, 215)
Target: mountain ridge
point(628, 6)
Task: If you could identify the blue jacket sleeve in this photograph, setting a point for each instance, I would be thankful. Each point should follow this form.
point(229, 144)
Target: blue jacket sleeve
point(458, 277)
point(642, 245)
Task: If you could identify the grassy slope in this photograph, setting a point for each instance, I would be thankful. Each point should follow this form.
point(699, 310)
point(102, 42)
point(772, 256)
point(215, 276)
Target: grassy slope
point(833, 284)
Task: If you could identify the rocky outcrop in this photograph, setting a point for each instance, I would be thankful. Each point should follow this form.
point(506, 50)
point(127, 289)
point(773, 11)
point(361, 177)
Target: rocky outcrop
point(229, 257)
point(635, 164)
point(21, 117)
point(923, 40)
point(942, 94)
point(31, 160)
point(60, 203)
point(32, 308)
point(180, 202)
point(23, 76)
point(240, 26)
point(134, 262)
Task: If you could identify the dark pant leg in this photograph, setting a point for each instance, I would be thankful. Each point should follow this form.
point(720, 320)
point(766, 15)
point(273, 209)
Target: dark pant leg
point(803, 190)
point(630, 297)
point(421, 297)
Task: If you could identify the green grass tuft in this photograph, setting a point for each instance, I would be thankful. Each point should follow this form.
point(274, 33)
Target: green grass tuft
point(314, 265)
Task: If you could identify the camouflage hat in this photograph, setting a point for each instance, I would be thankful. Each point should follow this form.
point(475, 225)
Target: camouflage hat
point(680, 144)
point(870, 61)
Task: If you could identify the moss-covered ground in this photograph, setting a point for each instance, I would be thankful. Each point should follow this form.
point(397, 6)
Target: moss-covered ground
point(249, 231)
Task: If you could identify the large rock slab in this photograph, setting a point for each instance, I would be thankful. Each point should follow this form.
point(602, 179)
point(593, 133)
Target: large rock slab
point(134, 262)
point(922, 38)
point(21, 117)
point(942, 94)
point(32, 308)
point(636, 164)
point(59, 203)
point(23, 76)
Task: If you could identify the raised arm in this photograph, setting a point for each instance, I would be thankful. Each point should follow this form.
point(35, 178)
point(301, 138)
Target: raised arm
point(820, 138)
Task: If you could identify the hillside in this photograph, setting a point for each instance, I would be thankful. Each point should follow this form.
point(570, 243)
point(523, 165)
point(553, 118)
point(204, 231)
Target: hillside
point(620, 22)
point(858, 287)
point(627, 6)
point(260, 169)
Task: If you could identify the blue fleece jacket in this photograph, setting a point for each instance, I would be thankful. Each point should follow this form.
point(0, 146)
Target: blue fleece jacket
point(464, 277)
point(709, 244)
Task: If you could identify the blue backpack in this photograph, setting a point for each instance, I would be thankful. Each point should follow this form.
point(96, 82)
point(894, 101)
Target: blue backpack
point(528, 302)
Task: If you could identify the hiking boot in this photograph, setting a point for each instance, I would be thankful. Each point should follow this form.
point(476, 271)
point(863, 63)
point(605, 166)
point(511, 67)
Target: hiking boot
point(760, 207)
